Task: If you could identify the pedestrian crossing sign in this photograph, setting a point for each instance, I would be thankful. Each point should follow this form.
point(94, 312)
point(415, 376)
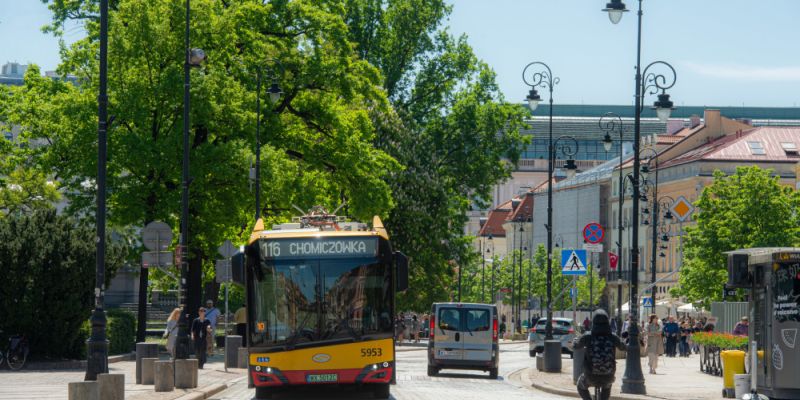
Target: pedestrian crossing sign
point(573, 262)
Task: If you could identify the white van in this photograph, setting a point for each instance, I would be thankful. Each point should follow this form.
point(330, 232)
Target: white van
point(463, 336)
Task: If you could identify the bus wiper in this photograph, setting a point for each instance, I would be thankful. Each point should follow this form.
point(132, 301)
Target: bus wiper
point(298, 333)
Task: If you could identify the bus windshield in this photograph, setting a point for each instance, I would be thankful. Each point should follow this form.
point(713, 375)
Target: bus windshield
point(299, 301)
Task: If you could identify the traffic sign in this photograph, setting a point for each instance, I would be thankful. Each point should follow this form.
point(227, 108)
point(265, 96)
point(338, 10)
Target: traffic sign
point(156, 259)
point(647, 301)
point(593, 247)
point(157, 236)
point(227, 249)
point(682, 208)
point(573, 262)
point(573, 292)
point(223, 271)
point(593, 233)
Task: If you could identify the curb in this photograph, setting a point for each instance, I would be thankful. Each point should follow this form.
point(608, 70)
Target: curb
point(73, 364)
point(525, 380)
point(204, 392)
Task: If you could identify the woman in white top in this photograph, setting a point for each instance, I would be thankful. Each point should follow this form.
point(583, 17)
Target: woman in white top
point(655, 343)
point(171, 331)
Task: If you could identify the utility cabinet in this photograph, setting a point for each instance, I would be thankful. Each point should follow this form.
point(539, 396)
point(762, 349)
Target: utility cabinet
point(772, 275)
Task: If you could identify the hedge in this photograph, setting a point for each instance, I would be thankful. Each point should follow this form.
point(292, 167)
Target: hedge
point(120, 332)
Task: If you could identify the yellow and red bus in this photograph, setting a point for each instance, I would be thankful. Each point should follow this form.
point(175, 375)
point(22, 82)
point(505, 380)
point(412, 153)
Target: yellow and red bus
point(320, 296)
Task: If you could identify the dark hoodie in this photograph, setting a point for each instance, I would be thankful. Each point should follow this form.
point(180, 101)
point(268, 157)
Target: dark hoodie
point(600, 327)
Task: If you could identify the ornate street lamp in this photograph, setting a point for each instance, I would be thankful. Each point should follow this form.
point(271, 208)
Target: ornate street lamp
point(612, 122)
point(633, 379)
point(274, 92)
point(542, 76)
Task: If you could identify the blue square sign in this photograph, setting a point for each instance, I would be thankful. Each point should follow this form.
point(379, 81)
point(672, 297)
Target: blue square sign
point(573, 262)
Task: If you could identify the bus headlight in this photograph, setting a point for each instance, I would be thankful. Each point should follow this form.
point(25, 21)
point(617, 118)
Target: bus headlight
point(385, 364)
point(258, 368)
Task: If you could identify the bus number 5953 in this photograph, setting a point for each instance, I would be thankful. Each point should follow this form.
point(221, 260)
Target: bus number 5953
point(371, 352)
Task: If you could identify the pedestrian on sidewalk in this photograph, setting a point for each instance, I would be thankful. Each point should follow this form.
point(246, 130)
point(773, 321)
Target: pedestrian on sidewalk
point(212, 315)
point(171, 331)
point(587, 324)
point(600, 364)
point(655, 343)
point(201, 328)
point(686, 330)
point(671, 332)
point(414, 329)
point(399, 329)
point(742, 327)
point(240, 318)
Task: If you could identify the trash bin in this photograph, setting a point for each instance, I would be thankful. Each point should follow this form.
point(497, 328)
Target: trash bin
point(577, 364)
point(742, 383)
point(732, 364)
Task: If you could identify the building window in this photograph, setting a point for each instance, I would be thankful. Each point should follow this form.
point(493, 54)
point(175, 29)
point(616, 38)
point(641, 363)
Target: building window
point(756, 148)
point(789, 148)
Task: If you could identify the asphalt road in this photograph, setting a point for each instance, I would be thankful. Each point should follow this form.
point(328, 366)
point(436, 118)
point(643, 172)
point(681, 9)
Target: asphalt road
point(414, 384)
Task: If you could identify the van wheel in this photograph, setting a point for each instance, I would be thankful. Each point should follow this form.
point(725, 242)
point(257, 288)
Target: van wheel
point(432, 371)
point(381, 391)
point(493, 373)
point(264, 393)
point(532, 353)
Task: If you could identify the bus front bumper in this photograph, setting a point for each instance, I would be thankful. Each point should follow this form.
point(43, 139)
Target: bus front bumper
point(372, 373)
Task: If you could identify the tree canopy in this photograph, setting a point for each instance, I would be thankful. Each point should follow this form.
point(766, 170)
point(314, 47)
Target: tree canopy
point(747, 209)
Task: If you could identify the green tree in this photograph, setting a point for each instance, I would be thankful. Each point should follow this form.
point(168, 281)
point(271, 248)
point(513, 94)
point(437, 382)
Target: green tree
point(323, 115)
point(747, 209)
point(451, 130)
point(48, 265)
point(597, 285)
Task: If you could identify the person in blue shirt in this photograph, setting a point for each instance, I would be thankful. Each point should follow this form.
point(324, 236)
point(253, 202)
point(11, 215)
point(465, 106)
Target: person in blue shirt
point(671, 332)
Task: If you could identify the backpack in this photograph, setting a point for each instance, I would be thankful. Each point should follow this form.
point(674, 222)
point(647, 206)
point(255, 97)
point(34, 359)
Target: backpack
point(600, 355)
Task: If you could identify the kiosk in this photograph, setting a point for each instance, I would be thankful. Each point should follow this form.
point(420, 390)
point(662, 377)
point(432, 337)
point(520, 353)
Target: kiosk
point(772, 275)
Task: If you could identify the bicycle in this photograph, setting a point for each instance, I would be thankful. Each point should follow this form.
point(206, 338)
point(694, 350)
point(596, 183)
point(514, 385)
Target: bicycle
point(17, 352)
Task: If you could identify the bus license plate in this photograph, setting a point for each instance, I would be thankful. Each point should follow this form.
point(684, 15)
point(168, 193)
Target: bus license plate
point(322, 378)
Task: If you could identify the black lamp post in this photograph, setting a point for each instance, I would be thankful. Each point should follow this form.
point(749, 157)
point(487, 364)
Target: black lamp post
point(274, 95)
point(490, 251)
point(483, 270)
point(544, 78)
point(659, 221)
point(97, 345)
point(609, 123)
point(633, 380)
point(194, 58)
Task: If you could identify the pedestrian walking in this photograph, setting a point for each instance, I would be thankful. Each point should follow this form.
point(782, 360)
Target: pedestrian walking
point(671, 332)
point(600, 364)
point(240, 318)
point(586, 324)
point(414, 329)
point(212, 315)
point(655, 343)
point(684, 339)
point(742, 327)
point(399, 329)
point(171, 331)
point(201, 328)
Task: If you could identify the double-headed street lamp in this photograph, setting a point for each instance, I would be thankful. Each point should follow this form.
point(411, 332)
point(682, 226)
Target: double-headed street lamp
point(633, 380)
point(274, 95)
point(612, 122)
point(193, 58)
point(543, 77)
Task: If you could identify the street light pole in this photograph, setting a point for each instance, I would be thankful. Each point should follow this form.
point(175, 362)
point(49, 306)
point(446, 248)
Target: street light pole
point(646, 169)
point(483, 272)
point(97, 345)
point(193, 57)
point(274, 95)
point(609, 123)
point(633, 380)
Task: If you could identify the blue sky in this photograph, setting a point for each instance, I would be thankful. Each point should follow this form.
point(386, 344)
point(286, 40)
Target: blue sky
point(726, 52)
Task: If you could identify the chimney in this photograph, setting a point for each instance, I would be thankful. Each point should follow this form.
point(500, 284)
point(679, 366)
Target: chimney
point(482, 221)
point(515, 203)
point(713, 121)
point(694, 121)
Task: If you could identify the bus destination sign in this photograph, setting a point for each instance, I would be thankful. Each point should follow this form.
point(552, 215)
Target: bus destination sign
point(321, 248)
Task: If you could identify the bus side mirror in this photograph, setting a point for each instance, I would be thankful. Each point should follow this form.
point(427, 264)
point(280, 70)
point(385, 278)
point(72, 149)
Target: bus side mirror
point(237, 268)
point(401, 263)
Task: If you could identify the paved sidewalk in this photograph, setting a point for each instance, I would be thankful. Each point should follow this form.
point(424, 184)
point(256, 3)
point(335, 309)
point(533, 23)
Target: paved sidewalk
point(677, 378)
point(40, 385)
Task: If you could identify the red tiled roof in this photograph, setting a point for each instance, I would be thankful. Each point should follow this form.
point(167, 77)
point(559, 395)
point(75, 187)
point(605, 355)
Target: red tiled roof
point(495, 219)
point(524, 210)
point(735, 147)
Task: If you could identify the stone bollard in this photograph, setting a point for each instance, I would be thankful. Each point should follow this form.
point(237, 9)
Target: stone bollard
point(111, 386)
point(243, 357)
point(577, 364)
point(164, 376)
point(87, 390)
point(144, 350)
point(148, 365)
point(552, 356)
point(232, 345)
point(186, 373)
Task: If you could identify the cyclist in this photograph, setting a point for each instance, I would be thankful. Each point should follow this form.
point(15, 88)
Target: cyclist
point(599, 364)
